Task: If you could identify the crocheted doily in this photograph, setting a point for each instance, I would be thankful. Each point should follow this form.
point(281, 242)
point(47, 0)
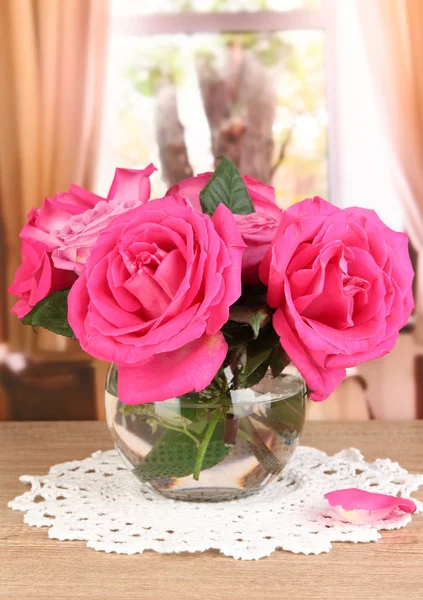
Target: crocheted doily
point(99, 501)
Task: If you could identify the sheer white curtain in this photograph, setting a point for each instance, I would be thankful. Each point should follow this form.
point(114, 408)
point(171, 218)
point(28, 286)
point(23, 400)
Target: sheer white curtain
point(376, 168)
point(393, 36)
point(365, 165)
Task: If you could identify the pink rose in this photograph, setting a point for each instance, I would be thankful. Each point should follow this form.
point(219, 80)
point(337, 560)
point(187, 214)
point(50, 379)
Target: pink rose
point(70, 223)
point(341, 283)
point(257, 229)
point(130, 188)
point(44, 223)
point(154, 294)
point(36, 278)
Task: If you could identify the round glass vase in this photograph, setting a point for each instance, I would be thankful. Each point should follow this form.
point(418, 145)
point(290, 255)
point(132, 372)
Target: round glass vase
point(214, 445)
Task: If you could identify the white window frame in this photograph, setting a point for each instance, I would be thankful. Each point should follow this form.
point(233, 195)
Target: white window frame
point(323, 19)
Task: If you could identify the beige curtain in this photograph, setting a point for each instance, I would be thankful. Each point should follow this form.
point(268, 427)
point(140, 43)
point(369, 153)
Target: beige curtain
point(393, 32)
point(52, 63)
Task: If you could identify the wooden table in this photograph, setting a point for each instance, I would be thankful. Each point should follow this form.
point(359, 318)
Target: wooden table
point(35, 567)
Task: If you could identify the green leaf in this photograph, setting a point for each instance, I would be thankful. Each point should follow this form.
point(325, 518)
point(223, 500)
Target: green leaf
point(257, 316)
point(196, 406)
point(237, 334)
point(227, 186)
point(189, 412)
point(278, 360)
point(255, 360)
point(52, 314)
point(257, 322)
point(258, 357)
point(267, 340)
point(255, 376)
point(166, 417)
point(175, 454)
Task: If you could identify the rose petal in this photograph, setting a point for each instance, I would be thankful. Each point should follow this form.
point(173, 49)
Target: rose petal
point(225, 225)
point(79, 198)
point(321, 381)
point(190, 189)
point(116, 275)
point(78, 301)
point(263, 190)
point(337, 314)
point(308, 208)
point(153, 299)
point(102, 298)
point(171, 272)
point(36, 277)
point(290, 235)
point(173, 374)
point(362, 507)
point(131, 184)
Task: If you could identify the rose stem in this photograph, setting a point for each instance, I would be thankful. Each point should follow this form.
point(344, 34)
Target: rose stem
point(178, 429)
point(204, 444)
point(231, 429)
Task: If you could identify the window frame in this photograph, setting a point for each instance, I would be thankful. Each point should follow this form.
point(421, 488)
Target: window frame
point(218, 22)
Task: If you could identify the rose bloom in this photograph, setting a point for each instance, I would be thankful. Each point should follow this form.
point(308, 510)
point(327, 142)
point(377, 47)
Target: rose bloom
point(340, 281)
point(257, 229)
point(70, 223)
point(36, 278)
point(154, 294)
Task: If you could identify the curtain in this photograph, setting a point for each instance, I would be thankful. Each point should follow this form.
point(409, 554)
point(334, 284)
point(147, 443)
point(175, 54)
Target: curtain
point(52, 65)
point(394, 42)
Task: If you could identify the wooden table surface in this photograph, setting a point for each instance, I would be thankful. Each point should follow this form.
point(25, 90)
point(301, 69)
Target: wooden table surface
point(35, 567)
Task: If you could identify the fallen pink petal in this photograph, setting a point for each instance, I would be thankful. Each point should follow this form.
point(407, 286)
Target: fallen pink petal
point(361, 507)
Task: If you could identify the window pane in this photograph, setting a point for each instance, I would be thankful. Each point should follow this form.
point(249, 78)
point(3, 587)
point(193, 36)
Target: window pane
point(127, 7)
point(258, 99)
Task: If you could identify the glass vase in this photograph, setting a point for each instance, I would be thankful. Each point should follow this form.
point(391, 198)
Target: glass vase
point(217, 444)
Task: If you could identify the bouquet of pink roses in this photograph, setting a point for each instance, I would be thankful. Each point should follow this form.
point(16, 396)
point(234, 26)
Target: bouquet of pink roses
point(214, 276)
point(170, 289)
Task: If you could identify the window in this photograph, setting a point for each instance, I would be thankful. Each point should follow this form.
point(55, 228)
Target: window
point(196, 79)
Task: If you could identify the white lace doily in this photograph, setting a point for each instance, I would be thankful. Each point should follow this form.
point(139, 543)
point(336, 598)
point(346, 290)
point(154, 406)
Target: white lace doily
point(99, 501)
